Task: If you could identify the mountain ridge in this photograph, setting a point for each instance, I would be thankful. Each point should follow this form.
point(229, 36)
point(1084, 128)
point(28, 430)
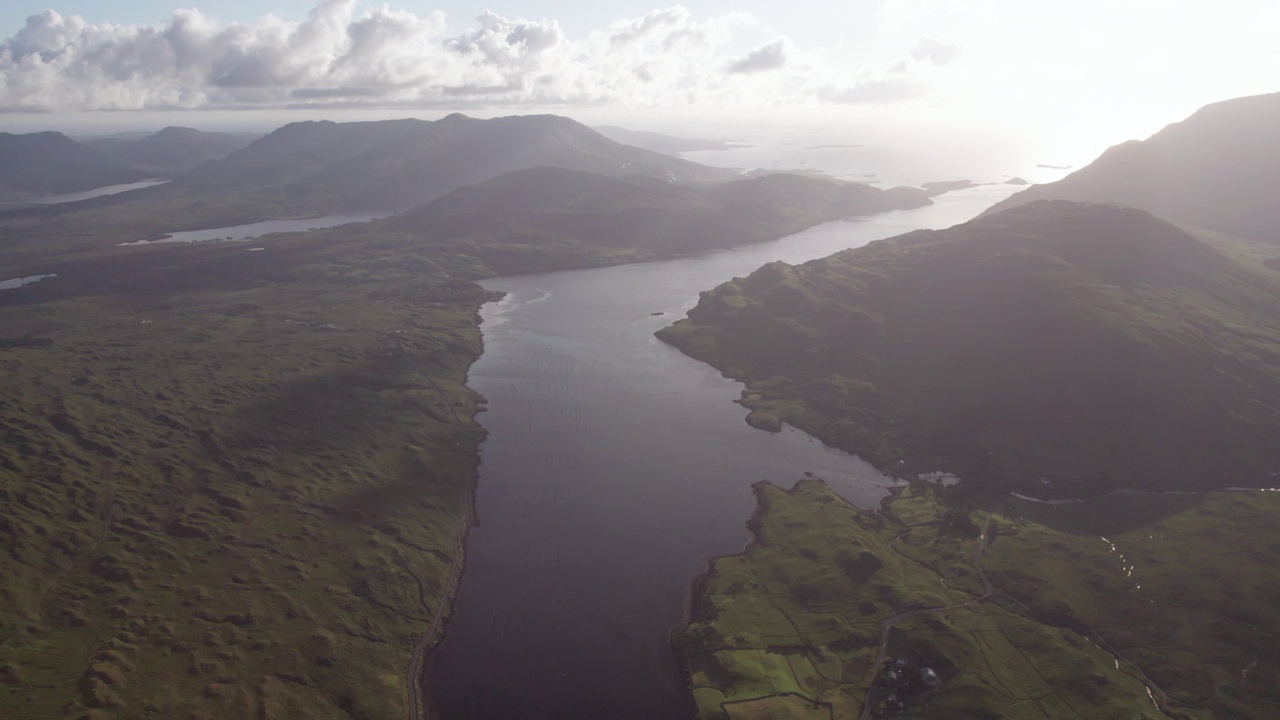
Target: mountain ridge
point(51, 163)
point(543, 213)
point(171, 149)
point(1217, 169)
point(394, 164)
point(1091, 346)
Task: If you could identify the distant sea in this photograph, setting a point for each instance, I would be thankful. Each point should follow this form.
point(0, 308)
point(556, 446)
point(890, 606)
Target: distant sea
point(880, 159)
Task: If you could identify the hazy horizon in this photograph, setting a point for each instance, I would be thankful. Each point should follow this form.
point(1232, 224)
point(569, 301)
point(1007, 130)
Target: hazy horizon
point(1061, 84)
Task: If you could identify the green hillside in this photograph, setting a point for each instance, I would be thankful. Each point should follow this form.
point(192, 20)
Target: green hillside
point(547, 217)
point(1060, 347)
point(1021, 612)
point(232, 483)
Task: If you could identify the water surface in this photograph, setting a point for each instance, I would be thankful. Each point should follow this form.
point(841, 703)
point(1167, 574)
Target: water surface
point(15, 283)
point(95, 192)
point(615, 467)
point(240, 233)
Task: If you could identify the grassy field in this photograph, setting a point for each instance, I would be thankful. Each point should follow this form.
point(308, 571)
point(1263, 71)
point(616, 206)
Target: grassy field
point(1181, 587)
point(230, 483)
point(1177, 599)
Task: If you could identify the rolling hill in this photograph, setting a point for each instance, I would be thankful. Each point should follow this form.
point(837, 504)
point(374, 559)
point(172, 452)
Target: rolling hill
point(1059, 348)
point(509, 220)
point(400, 163)
point(171, 150)
point(52, 163)
point(1218, 169)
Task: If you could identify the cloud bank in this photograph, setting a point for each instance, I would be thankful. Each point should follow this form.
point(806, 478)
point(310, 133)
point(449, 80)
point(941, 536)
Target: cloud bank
point(387, 57)
point(767, 57)
point(935, 51)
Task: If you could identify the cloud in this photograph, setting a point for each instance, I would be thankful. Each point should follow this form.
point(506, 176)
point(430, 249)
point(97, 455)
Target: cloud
point(938, 52)
point(766, 57)
point(395, 58)
point(873, 91)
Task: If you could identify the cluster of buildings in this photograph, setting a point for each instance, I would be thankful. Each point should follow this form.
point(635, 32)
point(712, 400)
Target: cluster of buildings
point(901, 679)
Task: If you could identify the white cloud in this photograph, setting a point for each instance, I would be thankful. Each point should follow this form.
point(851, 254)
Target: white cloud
point(936, 51)
point(770, 56)
point(873, 91)
point(387, 57)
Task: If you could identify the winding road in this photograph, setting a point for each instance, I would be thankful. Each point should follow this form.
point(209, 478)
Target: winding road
point(887, 624)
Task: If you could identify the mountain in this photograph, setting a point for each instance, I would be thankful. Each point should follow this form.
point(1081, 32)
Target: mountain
point(400, 163)
point(52, 163)
point(523, 215)
point(1218, 169)
point(1057, 347)
point(173, 149)
point(661, 143)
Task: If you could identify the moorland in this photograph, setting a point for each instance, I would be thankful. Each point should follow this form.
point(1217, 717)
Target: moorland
point(235, 477)
point(1126, 607)
point(1056, 348)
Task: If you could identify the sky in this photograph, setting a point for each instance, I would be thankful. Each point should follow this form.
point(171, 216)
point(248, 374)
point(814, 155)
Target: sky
point(1083, 72)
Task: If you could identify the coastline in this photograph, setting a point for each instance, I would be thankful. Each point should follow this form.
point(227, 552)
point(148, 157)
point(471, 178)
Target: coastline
point(420, 704)
point(697, 591)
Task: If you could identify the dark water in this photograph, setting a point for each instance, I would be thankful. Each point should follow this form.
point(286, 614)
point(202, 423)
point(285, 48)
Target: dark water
point(614, 469)
point(240, 233)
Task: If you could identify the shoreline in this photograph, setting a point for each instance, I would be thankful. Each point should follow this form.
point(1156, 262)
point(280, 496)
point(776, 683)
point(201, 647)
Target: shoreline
point(420, 664)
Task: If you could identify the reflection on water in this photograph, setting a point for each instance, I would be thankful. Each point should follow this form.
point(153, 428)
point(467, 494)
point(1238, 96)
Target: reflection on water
point(615, 467)
point(96, 192)
point(240, 233)
point(19, 282)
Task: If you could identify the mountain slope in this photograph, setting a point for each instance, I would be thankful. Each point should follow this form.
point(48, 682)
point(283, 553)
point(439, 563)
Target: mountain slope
point(50, 162)
point(532, 219)
point(399, 163)
point(1092, 346)
point(659, 142)
point(1217, 169)
point(173, 149)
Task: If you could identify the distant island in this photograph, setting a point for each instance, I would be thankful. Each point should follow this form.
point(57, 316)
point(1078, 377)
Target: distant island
point(945, 186)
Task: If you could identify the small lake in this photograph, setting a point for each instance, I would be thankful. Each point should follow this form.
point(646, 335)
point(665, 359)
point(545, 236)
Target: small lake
point(240, 233)
point(615, 467)
point(15, 283)
point(96, 192)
